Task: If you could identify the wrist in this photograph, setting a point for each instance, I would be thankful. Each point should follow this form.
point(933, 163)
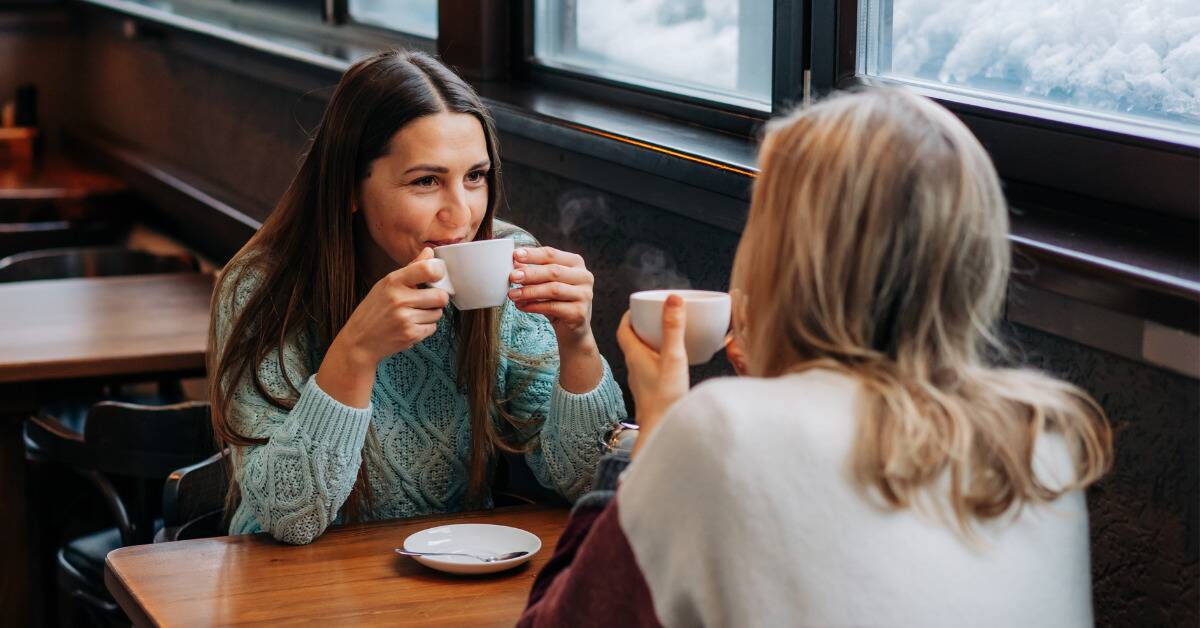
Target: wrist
point(577, 343)
point(347, 374)
point(350, 355)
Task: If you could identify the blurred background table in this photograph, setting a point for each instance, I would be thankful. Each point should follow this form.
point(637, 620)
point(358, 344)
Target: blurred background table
point(104, 326)
point(349, 575)
point(57, 333)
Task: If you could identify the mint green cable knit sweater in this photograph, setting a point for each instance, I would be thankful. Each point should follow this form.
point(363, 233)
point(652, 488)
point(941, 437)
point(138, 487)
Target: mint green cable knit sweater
point(294, 485)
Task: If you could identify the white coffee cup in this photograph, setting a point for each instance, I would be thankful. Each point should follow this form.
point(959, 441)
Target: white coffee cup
point(476, 272)
point(707, 320)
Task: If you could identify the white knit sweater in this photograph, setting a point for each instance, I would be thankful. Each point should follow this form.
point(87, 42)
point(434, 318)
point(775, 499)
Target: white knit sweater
point(741, 511)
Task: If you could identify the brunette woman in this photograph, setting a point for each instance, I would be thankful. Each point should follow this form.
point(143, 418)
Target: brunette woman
point(349, 389)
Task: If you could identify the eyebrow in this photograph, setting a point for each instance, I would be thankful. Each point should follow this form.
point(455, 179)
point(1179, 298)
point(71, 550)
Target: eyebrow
point(443, 170)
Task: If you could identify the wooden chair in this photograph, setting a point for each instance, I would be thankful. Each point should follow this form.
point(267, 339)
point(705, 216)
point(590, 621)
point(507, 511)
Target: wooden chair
point(194, 500)
point(101, 261)
point(126, 451)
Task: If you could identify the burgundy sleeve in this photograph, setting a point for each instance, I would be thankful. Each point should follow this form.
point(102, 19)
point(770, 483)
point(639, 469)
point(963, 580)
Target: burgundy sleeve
point(593, 578)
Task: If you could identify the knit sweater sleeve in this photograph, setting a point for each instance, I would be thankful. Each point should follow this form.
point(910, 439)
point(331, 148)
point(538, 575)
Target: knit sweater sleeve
point(572, 425)
point(294, 484)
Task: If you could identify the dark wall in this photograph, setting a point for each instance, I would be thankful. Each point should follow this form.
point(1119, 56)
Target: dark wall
point(36, 47)
point(206, 116)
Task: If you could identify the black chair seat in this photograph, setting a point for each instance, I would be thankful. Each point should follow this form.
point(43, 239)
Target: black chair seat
point(86, 554)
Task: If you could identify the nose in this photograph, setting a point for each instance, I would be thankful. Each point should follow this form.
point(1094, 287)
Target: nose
point(455, 211)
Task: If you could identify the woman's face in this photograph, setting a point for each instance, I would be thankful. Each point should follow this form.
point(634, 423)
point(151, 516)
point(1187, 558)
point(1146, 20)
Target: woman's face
point(429, 189)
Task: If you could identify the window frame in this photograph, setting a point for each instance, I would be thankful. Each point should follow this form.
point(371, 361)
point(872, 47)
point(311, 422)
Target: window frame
point(1154, 176)
point(724, 117)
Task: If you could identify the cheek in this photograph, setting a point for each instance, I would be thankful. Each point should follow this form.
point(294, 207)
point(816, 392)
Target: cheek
point(398, 219)
point(479, 205)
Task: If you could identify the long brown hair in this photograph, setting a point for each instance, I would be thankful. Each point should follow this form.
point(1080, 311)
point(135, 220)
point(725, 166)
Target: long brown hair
point(877, 245)
point(308, 279)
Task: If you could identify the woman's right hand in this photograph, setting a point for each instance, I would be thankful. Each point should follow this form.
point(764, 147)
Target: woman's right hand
point(398, 312)
point(395, 315)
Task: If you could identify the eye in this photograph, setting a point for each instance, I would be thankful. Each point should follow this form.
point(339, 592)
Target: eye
point(425, 182)
point(477, 176)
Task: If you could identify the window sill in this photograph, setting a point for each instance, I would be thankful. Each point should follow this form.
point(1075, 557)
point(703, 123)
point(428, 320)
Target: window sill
point(1152, 274)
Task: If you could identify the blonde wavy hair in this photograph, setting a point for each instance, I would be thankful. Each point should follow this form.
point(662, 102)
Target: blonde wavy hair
point(877, 246)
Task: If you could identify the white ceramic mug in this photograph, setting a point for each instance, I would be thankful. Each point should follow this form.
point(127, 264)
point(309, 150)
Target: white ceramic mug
point(707, 320)
point(476, 272)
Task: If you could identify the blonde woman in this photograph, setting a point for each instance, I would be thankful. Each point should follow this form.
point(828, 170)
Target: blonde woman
point(872, 468)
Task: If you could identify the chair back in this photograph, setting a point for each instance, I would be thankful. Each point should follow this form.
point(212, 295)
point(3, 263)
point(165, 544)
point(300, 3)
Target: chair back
point(147, 442)
point(16, 237)
point(100, 261)
point(194, 499)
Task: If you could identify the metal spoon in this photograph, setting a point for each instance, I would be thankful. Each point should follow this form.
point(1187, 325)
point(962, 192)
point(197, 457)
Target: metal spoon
point(486, 559)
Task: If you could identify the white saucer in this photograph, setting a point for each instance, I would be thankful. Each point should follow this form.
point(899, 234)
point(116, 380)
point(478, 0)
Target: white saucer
point(475, 538)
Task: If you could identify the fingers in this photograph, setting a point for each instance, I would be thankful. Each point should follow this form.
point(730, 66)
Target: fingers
point(417, 333)
point(529, 274)
point(423, 269)
point(420, 316)
point(674, 324)
point(547, 255)
point(421, 298)
point(626, 337)
point(558, 311)
point(556, 291)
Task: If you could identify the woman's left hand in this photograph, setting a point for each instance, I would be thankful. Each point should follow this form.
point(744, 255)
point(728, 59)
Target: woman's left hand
point(557, 285)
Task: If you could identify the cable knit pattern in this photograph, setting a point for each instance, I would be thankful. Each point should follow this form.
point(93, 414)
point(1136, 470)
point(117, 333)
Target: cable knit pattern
point(294, 485)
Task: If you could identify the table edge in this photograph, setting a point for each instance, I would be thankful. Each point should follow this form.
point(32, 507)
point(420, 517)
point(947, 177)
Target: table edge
point(122, 595)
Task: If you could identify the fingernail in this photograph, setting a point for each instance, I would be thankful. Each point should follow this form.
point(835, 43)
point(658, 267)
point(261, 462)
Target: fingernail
point(521, 253)
point(518, 276)
point(515, 293)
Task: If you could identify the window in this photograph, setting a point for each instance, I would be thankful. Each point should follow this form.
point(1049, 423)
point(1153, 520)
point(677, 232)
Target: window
point(713, 50)
point(416, 17)
point(1125, 60)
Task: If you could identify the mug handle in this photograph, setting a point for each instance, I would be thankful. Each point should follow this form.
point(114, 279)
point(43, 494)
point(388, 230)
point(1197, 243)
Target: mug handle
point(444, 282)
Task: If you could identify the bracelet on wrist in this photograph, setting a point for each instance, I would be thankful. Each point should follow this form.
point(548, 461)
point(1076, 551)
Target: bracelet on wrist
point(612, 440)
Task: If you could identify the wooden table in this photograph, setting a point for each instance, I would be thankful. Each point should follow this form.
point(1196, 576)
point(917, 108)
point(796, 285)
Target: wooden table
point(350, 575)
point(63, 330)
point(103, 326)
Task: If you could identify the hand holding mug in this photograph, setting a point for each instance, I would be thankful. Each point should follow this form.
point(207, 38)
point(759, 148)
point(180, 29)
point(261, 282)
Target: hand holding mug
point(398, 312)
point(657, 379)
point(556, 284)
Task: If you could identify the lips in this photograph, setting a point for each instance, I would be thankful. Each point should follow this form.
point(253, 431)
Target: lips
point(444, 242)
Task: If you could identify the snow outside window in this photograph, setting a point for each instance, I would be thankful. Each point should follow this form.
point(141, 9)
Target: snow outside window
point(416, 17)
point(717, 50)
point(1134, 60)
